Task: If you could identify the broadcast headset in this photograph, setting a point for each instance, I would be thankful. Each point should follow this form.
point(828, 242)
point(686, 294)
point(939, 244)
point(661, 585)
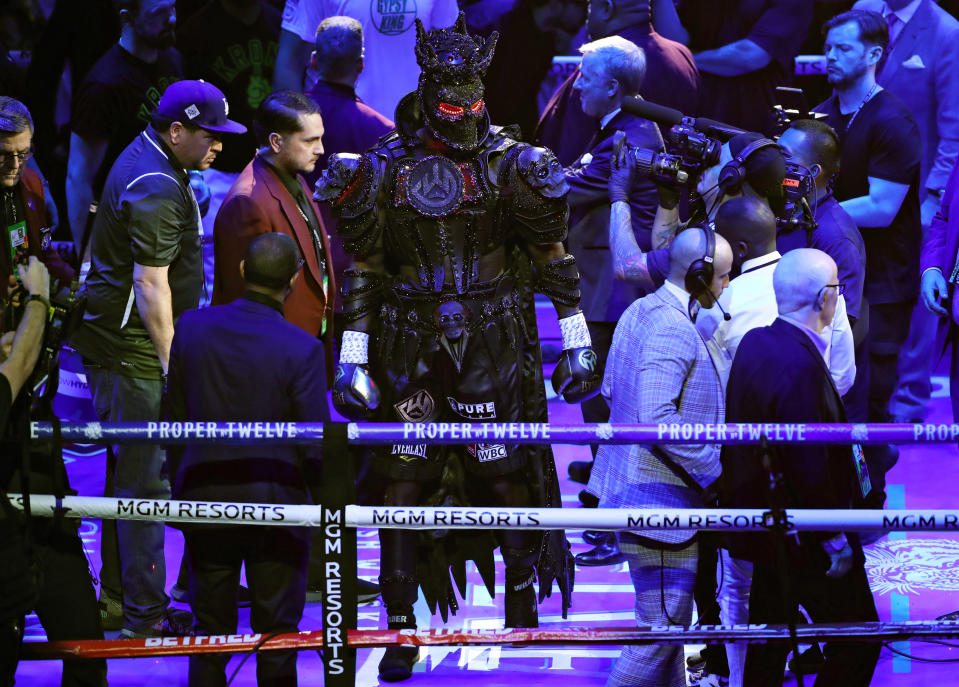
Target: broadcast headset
point(699, 275)
point(734, 172)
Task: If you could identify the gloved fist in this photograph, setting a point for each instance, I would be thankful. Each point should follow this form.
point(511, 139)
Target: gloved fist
point(576, 377)
point(623, 165)
point(355, 395)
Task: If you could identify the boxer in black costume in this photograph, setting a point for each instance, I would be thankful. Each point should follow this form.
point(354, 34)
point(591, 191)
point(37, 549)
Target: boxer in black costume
point(450, 220)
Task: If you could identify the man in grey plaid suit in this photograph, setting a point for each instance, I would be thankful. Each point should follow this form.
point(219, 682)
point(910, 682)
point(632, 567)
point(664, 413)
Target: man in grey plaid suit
point(660, 370)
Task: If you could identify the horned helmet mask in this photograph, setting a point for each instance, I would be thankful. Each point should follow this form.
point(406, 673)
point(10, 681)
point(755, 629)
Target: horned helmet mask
point(451, 87)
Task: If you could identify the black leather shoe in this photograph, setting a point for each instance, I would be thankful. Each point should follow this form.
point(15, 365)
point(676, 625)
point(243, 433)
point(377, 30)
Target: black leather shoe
point(579, 470)
point(604, 554)
point(597, 537)
point(587, 499)
point(397, 663)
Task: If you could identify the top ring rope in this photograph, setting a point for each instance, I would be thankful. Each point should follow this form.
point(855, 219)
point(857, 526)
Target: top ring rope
point(247, 433)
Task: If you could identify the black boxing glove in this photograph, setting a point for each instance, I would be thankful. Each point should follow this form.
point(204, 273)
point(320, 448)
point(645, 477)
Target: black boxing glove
point(576, 377)
point(355, 395)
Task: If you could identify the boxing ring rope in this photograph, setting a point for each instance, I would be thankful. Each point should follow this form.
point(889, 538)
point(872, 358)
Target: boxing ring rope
point(369, 433)
point(431, 518)
point(339, 518)
point(592, 636)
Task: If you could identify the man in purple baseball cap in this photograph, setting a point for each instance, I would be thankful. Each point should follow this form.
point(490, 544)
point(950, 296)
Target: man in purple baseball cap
point(145, 270)
point(198, 104)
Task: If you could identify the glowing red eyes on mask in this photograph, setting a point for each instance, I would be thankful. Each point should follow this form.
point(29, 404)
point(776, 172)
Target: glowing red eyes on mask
point(457, 111)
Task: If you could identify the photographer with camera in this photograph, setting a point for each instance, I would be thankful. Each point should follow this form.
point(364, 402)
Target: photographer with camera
point(747, 164)
point(44, 568)
point(23, 209)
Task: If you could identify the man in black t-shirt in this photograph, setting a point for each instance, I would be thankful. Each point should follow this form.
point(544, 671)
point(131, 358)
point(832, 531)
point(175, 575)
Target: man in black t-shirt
point(114, 102)
point(878, 185)
point(744, 49)
point(238, 57)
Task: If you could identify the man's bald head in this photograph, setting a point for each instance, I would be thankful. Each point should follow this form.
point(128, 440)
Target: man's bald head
point(749, 226)
point(800, 277)
point(690, 246)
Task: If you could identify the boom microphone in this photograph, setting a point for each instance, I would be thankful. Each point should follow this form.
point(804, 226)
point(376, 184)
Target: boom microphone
point(668, 116)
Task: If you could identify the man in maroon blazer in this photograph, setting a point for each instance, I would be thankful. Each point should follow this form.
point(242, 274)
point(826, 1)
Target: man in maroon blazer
point(939, 263)
point(270, 196)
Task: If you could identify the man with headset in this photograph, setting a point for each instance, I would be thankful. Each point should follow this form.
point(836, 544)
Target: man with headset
point(749, 165)
point(662, 371)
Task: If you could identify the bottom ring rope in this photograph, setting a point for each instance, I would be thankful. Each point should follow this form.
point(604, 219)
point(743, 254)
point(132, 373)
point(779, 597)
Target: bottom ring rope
point(368, 639)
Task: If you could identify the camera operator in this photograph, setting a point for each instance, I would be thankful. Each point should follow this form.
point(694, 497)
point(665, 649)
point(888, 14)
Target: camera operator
point(746, 166)
point(44, 570)
point(813, 147)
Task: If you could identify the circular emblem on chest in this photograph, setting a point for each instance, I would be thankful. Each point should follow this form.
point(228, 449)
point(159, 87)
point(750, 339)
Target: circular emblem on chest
point(435, 186)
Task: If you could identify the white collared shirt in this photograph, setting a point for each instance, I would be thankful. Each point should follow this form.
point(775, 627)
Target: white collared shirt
point(751, 302)
point(903, 15)
point(820, 343)
point(722, 359)
point(608, 118)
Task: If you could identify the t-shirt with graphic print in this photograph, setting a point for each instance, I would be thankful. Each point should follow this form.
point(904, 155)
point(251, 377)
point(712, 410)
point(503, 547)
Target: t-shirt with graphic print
point(114, 102)
point(389, 36)
point(238, 59)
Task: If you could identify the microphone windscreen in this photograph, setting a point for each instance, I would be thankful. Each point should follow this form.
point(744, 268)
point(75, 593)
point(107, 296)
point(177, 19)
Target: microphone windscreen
point(651, 111)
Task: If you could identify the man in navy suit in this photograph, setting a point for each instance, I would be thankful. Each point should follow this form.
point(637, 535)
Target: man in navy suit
point(779, 375)
point(244, 362)
point(613, 68)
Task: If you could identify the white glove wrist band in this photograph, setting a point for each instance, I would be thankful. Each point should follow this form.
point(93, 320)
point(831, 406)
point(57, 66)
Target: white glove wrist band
point(355, 347)
point(575, 332)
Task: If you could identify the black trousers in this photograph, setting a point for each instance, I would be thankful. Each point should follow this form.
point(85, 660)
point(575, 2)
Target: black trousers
point(276, 560)
point(67, 604)
point(596, 409)
point(827, 600)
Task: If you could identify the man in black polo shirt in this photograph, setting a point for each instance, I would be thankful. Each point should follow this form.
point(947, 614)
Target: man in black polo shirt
point(878, 185)
point(145, 271)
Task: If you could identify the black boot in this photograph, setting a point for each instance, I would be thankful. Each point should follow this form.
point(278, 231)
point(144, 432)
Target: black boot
point(399, 593)
point(521, 599)
point(397, 663)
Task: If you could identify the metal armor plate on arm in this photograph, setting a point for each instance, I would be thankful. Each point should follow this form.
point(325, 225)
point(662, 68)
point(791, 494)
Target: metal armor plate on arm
point(539, 188)
point(351, 183)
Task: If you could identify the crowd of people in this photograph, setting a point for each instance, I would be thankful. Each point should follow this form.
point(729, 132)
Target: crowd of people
point(267, 203)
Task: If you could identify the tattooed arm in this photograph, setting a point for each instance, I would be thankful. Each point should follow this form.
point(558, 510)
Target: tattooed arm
point(665, 227)
point(629, 260)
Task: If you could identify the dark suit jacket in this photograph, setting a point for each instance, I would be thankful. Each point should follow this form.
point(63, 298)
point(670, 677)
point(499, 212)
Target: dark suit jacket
point(672, 79)
point(242, 362)
point(778, 375)
point(941, 247)
point(259, 203)
point(604, 298)
point(921, 70)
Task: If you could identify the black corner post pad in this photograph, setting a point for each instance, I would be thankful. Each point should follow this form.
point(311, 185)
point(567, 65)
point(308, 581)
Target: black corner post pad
point(338, 556)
